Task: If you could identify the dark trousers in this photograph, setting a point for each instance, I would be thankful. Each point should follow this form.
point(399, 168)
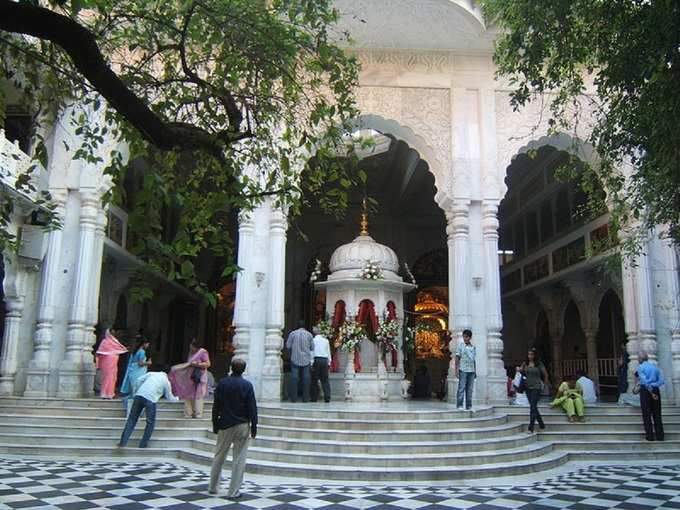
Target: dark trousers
point(294, 378)
point(138, 405)
point(534, 413)
point(651, 412)
point(320, 373)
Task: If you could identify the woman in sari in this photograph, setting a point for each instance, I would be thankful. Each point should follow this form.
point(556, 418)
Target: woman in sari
point(137, 366)
point(190, 380)
point(107, 363)
point(570, 398)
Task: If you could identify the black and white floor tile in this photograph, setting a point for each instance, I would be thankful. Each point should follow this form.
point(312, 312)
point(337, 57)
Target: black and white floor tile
point(76, 485)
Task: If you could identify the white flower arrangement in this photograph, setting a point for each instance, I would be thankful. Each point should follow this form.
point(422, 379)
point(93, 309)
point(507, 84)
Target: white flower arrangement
point(326, 328)
point(387, 333)
point(351, 333)
point(371, 271)
point(316, 273)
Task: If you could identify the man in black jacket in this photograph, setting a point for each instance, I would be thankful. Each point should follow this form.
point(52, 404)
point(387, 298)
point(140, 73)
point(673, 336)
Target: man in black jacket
point(234, 417)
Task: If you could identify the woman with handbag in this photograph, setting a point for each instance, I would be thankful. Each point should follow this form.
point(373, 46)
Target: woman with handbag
point(190, 380)
point(536, 377)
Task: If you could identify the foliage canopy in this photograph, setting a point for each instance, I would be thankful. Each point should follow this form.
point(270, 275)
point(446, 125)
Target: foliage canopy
point(222, 100)
point(630, 51)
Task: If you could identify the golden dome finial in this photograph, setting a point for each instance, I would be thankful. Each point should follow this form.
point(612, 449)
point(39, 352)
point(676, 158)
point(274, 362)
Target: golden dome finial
point(364, 218)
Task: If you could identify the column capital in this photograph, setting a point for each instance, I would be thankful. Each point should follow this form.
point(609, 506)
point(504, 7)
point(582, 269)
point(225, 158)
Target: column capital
point(458, 219)
point(246, 224)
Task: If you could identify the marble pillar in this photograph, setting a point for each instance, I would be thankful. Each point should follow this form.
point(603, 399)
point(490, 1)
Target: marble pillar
point(458, 241)
point(591, 355)
point(14, 286)
point(273, 340)
point(71, 376)
point(630, 321)
point(37, 377)
point(92, 314)
point(242, 306)
point(556, 329)
point(496, 377)
point(645, 307)
point(670, 260)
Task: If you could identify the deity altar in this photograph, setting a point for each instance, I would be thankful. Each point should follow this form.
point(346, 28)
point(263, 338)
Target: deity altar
point(363, 284)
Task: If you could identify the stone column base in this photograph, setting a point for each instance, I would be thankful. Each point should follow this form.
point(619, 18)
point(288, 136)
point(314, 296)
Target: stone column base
point(36, 382)
point(7, 386)
point(70, 384)
point(451, 389)
point(497, 391)
point(271, 388)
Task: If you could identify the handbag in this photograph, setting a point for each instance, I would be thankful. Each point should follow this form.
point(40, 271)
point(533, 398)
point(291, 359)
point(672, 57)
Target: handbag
point(522, 385)
point(196, 375)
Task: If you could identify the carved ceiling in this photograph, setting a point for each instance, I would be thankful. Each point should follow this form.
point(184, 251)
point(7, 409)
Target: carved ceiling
point(423, 25)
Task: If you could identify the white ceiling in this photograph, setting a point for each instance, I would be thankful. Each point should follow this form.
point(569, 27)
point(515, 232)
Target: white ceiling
point(426, 25)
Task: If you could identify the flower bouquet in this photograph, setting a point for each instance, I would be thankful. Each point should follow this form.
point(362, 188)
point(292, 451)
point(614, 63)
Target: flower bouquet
point(371, 271)
point(351, 333)
point(387, 334)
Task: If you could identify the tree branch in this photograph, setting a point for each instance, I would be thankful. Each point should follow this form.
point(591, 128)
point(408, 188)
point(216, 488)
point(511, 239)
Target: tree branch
point(81, 46)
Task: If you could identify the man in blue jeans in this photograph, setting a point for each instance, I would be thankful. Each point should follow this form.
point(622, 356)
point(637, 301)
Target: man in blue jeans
point(301, 345)
point(148, 390)
point(465, 370)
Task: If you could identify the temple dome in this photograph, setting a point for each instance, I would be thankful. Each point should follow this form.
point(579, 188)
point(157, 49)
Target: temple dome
point(350, 258)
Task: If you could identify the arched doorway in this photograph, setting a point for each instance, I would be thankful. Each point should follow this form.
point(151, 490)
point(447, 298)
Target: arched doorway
point(610, 335)
point(552, 239)
point(405, 218)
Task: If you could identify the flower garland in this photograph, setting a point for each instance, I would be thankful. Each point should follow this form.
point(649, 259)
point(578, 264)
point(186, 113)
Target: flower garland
point(387, 333)
point(371, 271)
point(410, 333)
point(351, 334)
point(326, 328)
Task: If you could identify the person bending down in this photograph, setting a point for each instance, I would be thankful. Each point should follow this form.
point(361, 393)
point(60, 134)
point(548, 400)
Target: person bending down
point(148, 389)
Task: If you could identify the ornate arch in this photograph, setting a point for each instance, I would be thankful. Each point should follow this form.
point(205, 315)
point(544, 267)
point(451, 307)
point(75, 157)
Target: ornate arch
point(426, 151)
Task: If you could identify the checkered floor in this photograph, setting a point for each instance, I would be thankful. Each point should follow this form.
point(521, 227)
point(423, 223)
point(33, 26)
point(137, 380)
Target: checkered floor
point(135, 485)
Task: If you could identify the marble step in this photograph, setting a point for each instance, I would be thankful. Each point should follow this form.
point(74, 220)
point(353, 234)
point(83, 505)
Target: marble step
point(394, 435)
point(604, 435)
point(45, 429)
point(88, 421)
point(607, 410)
point(397, 460)
point(293, 421)
point(272, 468)
point(432, 445)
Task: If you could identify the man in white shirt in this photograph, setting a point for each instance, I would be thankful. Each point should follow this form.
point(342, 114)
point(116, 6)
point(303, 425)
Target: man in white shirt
point(147, 391)
point(588, 387)
point(322, 360)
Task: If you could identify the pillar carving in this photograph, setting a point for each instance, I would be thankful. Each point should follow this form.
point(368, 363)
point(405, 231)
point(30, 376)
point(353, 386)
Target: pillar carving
point(71, 372)
point(496, 384)
point(14, 285)
point(638, 312)
point(458, 241)
point(38, 367)
point(89, 338)
point(246, 230)
point(670, 257)
point(273, 340)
